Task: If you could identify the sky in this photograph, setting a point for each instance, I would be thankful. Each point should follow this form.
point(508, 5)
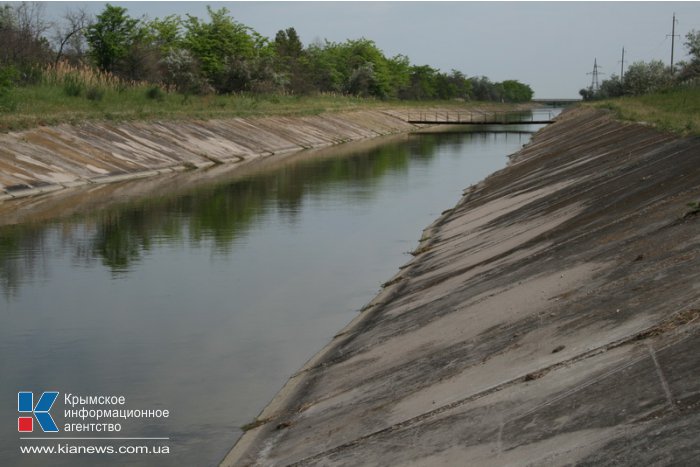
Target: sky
point(548, 45)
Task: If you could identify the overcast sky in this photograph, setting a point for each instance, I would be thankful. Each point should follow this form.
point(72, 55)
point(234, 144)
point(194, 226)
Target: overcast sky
point(548, 45)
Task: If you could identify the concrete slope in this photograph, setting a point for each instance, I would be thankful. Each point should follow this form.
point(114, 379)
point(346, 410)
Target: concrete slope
point(52, 158)
point(551, 317)
point(94, 197)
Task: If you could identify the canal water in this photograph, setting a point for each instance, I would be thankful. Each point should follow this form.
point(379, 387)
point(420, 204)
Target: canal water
point(204, 302)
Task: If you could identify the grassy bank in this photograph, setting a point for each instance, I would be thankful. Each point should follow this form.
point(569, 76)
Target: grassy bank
point(676, 110)
point(27, 107)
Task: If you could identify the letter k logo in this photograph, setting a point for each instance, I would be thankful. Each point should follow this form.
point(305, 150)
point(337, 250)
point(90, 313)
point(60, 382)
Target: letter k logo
point(25, 403)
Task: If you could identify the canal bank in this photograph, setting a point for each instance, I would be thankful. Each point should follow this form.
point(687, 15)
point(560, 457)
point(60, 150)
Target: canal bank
point(49, 159)
point(550, 317)
point(232, 276)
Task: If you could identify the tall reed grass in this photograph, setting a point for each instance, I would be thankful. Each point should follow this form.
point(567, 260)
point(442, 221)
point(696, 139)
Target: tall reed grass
point(73, 78)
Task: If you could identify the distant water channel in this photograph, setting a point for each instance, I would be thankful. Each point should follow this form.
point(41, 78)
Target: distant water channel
point(205, 302)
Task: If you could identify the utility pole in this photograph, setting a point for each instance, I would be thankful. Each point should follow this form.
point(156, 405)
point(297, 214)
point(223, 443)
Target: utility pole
point(595, 85)
point(622, 66)
point(673, 37)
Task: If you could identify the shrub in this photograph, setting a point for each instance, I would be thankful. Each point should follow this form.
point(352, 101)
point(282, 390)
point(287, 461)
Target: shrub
point(8, 103)
point(94, 93)
point(8, 79)
point(72, 85)
point(182, 72)
point(643, 78)
point(155, 93)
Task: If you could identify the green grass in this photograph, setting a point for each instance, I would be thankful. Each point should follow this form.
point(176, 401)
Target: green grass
point(27, 107)
point(676, 110)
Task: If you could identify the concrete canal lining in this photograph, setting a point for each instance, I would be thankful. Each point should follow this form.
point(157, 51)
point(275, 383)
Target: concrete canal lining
point(49, 159)
point(52, 158)
point(551, 317)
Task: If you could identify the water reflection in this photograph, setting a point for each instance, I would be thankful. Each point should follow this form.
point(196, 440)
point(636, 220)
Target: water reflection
point(223, 213)
point(226, 287)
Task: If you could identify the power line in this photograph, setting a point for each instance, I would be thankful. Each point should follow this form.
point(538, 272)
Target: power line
point(673, 37)
point(595, 85)
point(622, 65)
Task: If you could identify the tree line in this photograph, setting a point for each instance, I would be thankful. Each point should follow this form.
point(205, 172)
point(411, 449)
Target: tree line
point(653, 76)
point(221, 55)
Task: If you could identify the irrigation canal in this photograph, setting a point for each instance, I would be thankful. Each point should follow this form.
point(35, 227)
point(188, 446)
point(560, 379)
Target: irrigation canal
point(205, 301)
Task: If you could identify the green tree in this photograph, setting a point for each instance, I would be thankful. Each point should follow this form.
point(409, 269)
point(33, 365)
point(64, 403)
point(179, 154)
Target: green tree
point(323, 64)
point(423, 83)
point(444, 88)
point(610, 88)
point(692, 42)
point(485, 90)
point(166, 33)
point(452, 86)
point(515, 91)
point(365, 55)
point(642, 77)
point(691, 70)
point(223, 48)
point(288, 44)
point(586, 93)
point(111, 37)
point(356, 67)
point(291, 62)
point(398, 74)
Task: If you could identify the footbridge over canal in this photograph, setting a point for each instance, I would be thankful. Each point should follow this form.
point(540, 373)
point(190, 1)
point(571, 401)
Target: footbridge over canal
point(482, 118)
point(556, 102)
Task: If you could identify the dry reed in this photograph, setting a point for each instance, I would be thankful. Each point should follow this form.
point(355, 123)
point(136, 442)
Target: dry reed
point(62, 72)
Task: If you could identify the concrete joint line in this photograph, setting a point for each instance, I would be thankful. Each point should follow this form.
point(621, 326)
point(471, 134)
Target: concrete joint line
point(662, 378)
point(499, 440)
point(498, 387)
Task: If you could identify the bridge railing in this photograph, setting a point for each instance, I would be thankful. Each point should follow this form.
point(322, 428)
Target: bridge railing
point(557, 102)
point(460, 117)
